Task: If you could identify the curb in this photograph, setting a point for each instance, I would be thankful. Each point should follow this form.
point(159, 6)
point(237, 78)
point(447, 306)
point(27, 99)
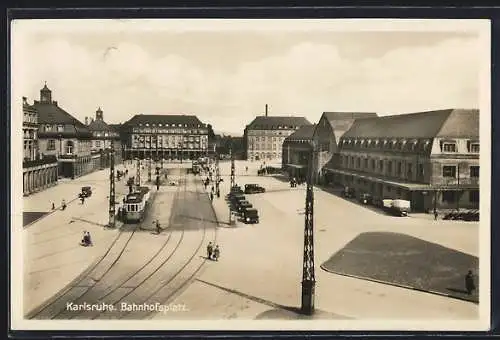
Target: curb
point(48, 213)
point(400, 285)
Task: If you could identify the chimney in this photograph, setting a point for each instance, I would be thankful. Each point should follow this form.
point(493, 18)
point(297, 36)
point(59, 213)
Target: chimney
point(86, 120)
point(266, 110)
point(55, 102)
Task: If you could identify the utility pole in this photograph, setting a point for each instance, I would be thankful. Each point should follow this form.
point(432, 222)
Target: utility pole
point(217, 175)
point(112, 214)
point(308, 277)
point(232, 167)
point(149, 160)
point(138, 174)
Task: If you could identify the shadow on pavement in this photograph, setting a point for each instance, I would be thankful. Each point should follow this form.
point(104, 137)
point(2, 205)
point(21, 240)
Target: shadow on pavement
point(279, 311)
point(407, 262)
point(32, 216)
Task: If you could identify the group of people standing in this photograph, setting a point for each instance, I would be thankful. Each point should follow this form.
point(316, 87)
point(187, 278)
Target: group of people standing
point(213, 253)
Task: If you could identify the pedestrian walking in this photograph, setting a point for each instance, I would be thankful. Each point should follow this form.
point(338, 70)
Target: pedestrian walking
point(246, 169)
point(53, 206)
point(210, 249)
point(470, 285)
point(435, 215)
point(82, 198)
point(216, 253)
point(158, 228)
point(63, 204)
point(211, 196)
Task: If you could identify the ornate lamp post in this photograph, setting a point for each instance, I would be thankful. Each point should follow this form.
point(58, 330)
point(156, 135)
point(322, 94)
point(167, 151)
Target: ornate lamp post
point(308, 276)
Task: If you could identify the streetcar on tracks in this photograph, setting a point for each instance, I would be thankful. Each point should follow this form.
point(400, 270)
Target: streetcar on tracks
point(135, 205)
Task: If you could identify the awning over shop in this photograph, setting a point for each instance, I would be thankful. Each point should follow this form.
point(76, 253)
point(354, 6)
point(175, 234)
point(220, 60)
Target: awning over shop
point(404, 185)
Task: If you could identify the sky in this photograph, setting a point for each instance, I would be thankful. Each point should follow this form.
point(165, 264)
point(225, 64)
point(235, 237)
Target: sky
point(226, 75)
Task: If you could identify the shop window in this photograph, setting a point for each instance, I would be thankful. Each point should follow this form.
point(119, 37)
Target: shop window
point(474, 171)
point(448, 197)
point(449, 171)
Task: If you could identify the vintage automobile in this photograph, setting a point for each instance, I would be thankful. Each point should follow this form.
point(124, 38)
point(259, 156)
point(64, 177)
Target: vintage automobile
point(348, 192)
point(251, 216)
point(254, 189)
point(86, 192)
point(366, 198)
point(243, 205)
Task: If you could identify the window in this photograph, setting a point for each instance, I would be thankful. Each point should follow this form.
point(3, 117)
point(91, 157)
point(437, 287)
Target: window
point(449, 171)
point(389, 167)
point(409, 170)
point(51, 144)
point(421, 170)
point(381, 165)
point(366, 163)
point(60, 128)
point(373, 164)
point(474, 171)
point(474, 196)
point(398, 169)
point(449, 147)
point(69, 147)
point(98, 144)
point(448, 197)
point(358, 163)
point(474, 147)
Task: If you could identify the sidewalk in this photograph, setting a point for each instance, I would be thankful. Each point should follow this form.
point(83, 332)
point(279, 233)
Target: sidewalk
point(52, 255)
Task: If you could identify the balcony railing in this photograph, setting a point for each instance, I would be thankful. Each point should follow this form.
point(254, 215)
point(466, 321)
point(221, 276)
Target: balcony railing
point(457, 181)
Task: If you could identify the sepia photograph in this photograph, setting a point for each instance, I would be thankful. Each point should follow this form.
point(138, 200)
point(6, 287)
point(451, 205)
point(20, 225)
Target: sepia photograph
point(250, 174)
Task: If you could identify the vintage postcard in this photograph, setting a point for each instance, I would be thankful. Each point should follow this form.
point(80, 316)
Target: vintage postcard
point(250, 174)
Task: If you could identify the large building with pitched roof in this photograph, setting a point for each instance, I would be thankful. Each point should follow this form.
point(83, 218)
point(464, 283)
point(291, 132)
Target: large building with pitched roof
point(63, 136)
point(331, 127)
point(265, 135)
point(39, 172)
point(164, 137)
point(105, 139)
point(429, 158)
point(297, 151)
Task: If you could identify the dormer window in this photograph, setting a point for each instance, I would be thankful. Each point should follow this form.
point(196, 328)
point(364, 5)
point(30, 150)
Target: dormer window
point(473, 146)
point(448, 146)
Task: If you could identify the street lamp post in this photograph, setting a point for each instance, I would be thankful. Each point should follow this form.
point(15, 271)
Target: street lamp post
point(308, 275)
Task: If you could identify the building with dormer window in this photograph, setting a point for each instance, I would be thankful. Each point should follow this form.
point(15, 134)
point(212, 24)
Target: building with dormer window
point(63, 136)
point(429, 158)
point(264, 136)
point(167, 137)
point(39, 172)
point(105, 139)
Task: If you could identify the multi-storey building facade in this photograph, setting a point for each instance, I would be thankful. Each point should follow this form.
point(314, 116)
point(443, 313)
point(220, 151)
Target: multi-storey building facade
point(30, 127)
point(38, 173)
point(63, 136)
point(429, 158)
point(297, 150)
point(105, 139)
point(265, 135)
point(168, 137)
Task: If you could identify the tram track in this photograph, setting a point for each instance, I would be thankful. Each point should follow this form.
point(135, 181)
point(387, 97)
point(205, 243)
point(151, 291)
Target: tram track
point(86, 274)
point(142, 267)
point(82, 290)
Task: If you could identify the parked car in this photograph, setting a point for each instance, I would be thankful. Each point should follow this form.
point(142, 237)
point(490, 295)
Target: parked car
point(366, 198)
point(236, 199)
point(251, 216)
point(348, 192)
point(243, 205)
point(397, 207)
point(254, 189)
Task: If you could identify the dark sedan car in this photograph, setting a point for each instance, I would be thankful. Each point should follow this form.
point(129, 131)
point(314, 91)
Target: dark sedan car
point(254, 189)
point(251, 216)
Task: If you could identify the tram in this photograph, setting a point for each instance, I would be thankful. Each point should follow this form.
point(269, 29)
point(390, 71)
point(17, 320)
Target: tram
point(135, 204)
